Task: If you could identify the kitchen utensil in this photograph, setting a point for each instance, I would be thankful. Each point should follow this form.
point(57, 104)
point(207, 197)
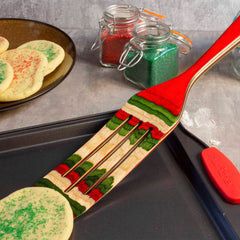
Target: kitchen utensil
point(133, 133)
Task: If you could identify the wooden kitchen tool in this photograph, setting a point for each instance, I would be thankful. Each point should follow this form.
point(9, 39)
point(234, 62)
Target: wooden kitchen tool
point(135, 131)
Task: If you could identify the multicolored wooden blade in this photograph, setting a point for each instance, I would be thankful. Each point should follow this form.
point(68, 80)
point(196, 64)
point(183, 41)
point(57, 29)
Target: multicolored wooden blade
point(136, 139)
point(137, 128)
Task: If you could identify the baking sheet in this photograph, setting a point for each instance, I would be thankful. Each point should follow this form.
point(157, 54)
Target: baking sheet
point(155, 201)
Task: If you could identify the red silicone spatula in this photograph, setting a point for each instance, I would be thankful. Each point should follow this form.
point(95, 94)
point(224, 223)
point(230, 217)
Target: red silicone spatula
point(223, 174)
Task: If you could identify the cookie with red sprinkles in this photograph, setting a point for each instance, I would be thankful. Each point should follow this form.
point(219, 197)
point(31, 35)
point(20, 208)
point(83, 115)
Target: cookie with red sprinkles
point(29, 69)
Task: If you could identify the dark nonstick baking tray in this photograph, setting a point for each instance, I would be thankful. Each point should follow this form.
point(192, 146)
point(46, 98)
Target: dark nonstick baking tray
point(160, 199)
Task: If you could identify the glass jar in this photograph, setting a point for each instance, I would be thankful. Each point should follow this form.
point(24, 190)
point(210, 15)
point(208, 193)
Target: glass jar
point(115, 30)
point(236, 57)
point(151, 55)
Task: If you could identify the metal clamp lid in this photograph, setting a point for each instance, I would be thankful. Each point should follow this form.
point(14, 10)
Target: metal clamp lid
point(115, 15)
point(102, 24)
point(135, 60)
point(149, 15)
point(183, 43)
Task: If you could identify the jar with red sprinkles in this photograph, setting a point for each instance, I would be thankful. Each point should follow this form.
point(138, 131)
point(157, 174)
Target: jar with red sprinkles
point(115, 30)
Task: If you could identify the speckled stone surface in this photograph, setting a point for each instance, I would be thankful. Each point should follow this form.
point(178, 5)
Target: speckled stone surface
point(212, 110)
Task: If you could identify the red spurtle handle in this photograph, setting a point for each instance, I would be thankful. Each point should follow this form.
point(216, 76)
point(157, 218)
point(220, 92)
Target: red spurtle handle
point(223, 174)
point(227, 41)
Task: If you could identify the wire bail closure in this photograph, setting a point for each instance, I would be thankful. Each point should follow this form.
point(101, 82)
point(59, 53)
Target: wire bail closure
point(135, 60)
point(102, 24)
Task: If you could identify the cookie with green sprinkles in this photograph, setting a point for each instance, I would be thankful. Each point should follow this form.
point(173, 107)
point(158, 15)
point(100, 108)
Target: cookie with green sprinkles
point(6, 75)
point(4, 44)
point(53, 51)
point(35, 213)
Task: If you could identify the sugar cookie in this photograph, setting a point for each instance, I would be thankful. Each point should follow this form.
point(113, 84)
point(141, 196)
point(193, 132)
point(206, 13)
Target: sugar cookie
point(54, 52)
point(4, 44)
point(35, 213)
point(6, 75)
point(29, 68)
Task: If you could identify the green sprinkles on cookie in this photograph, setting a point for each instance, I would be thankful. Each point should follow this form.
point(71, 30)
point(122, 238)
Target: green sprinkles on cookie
point(49, 52)
point(53, 52)
point(2, 71)
point(6, 75)
point(35, 213)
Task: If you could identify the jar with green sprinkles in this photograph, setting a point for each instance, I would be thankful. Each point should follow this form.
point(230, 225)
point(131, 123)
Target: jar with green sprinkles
point(150, 57)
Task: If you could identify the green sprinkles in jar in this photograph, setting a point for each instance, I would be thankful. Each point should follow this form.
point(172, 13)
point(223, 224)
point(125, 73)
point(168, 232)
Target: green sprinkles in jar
point(157, 65)
point(35, 213)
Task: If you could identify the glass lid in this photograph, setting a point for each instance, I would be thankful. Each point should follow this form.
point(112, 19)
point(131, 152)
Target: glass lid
point(122, 13)
point(151, 31)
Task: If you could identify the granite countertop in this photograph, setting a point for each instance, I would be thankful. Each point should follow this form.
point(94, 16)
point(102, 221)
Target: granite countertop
point(211, 112)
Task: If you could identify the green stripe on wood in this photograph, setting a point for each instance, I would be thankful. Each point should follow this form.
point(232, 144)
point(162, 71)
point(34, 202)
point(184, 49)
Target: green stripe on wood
point(125, 129)
point(84, 167)
point(106, 185)
point(94, 176)
point(154, 109)
point(148, 143)
point(113, 123)
point(72, 160)
point(136, 135)
point(77, 208)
